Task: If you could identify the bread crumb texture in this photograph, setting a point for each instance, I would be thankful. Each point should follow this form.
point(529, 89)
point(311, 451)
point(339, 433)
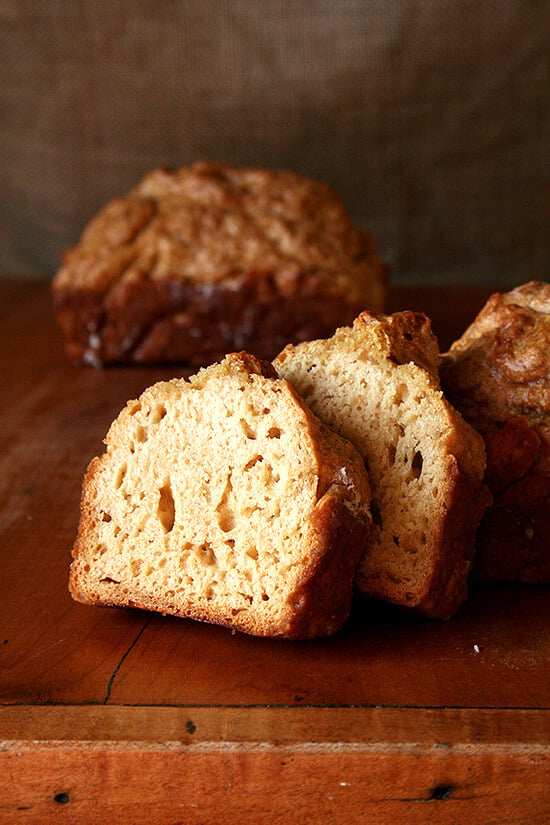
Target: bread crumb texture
point(376, 384)
point(224, 499)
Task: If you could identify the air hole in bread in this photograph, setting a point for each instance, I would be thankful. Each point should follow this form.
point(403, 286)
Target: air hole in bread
point(391, 453)
point(109, 580)
point(209, 592)
point(166, 510)
point(226, 520)
point(375, 513)
point(226, 516)
point(141, 434)
point(120, 475)
point(105, 516)
point(396, 540)
point(274, 432)
point(207, 554)
point(252, 462)
point(267, 477)
point(158, 413)
point(206, 490)
point(247, 429)
point(417, 463)
point(400, 394)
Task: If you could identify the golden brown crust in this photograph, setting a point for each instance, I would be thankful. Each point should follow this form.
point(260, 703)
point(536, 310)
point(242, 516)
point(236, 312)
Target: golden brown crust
point(462, 511)
point(311, 588)
point(498, 375)
point(319, 607)
point(206, 260)
point(500, 367)
point(514, 537)
point(401, 337)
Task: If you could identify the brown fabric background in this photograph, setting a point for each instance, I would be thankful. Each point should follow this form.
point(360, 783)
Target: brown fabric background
point(431, 117)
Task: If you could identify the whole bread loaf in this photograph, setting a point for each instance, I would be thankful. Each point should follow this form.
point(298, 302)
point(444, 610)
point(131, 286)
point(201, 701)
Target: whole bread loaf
point(376, 383)
point(224, 499)
point(498, 374)
point(206, 260)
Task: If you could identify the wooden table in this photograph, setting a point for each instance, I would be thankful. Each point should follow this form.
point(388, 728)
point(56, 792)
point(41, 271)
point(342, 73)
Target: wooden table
point(120, 716)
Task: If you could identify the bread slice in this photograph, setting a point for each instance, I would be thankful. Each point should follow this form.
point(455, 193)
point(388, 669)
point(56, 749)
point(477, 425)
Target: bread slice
point(376, 383)
point(224, 499)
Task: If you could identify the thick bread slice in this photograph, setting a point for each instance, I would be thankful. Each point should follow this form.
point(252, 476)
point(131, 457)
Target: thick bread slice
point(224, 499)
point(376, 383)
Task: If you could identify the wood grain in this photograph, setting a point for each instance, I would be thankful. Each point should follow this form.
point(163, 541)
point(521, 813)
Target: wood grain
point(145, 765)
point(264, 784)
point(150, 719)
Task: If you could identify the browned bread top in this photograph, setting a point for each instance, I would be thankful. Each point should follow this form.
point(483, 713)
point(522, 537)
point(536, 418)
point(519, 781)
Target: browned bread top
point(224, 499)
point(209, 223)
point(498, 375)
point(500, 367)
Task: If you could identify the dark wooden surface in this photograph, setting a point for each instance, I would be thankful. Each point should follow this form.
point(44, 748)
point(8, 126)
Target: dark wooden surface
point(156, 719)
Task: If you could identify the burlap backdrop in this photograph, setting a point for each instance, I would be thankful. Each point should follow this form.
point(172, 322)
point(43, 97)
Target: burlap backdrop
point(431, 117)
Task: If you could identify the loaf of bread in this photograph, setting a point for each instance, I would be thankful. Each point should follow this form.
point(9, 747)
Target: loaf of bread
point(207, 260)
point(224, 499)
point(498, 374)
point(376, 383)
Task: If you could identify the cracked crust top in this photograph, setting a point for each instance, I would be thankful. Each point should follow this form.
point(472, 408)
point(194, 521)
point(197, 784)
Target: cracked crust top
point(207, 222)
point(207, 260)
point(500, 367)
